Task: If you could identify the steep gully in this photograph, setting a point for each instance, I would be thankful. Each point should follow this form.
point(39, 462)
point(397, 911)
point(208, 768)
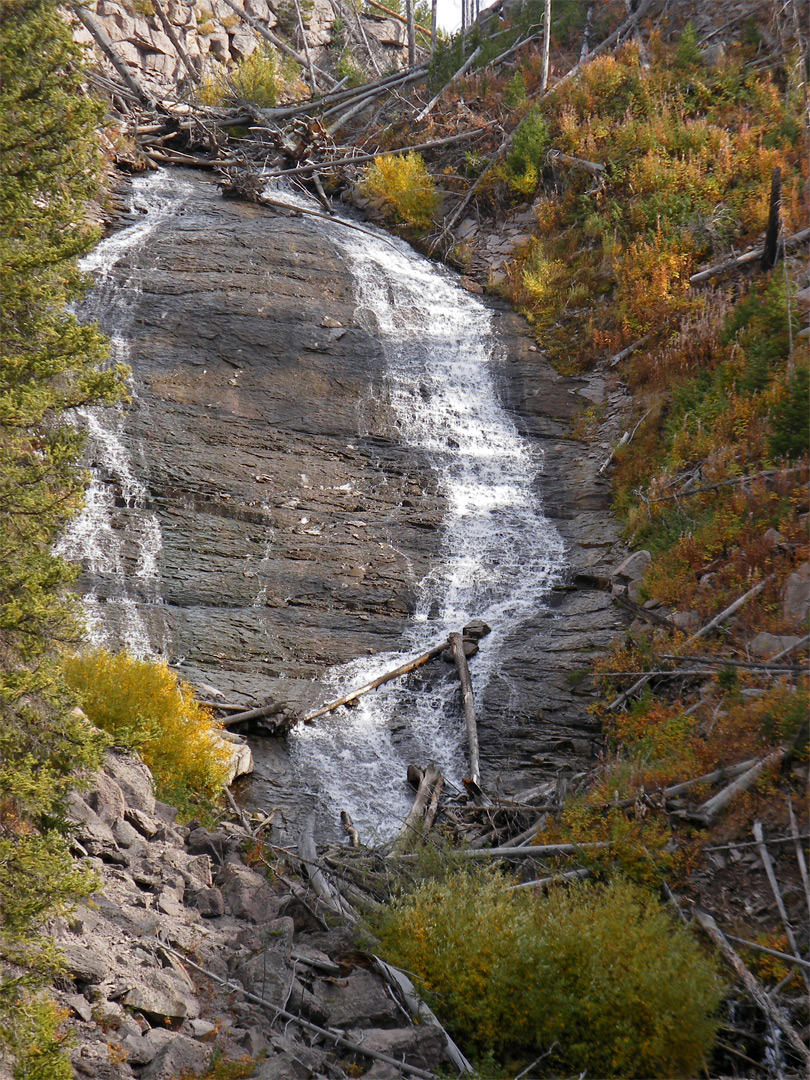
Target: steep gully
point(332, 457)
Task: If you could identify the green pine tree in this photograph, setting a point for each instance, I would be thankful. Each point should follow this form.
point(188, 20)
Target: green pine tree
point(49, 363)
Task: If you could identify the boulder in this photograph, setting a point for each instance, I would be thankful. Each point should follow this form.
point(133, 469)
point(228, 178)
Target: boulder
point(95, 834)
point(766, 646)
point(361, 1001)
point(796, 596)
point(163, 994)
point(134, 780)
point(210, 903)
point(106, 799)
point(247, 894)
point(141, 1049)
point(632, 568)
point(266, 975)
point(688, 621)
point(179, 1057)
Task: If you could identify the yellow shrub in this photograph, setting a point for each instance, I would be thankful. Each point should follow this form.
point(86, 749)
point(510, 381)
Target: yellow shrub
point(592, 978)
point(406, 188)
point(146, 707)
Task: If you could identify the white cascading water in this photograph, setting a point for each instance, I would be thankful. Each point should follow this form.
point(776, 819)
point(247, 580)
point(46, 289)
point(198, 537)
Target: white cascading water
point(500, 555)
point(92, 539)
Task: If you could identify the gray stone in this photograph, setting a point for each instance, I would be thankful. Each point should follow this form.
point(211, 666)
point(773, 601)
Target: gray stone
point(766, 646)
point(266, 975)
point(80, 1006)
point(773, 538)
point(141, 1049)
point(95, 834)
point(424, 1045)
point(146, 825)
point(106, 798)
point(360, 1002)
point(688, 621)
point(210, 903)
point(202, 1030)
point(247, 894)
point(633, 567)
point(163, 994)
point(125, 834)
point(180, 1056)
point(796, 596)
point(134, 779)
point(87, 963)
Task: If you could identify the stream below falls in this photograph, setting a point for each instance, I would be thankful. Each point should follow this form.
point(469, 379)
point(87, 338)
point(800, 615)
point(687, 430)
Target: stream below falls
point(331, 461)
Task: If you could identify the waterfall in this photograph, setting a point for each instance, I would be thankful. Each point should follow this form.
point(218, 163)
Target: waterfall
point(115, 539)
point(499, 554)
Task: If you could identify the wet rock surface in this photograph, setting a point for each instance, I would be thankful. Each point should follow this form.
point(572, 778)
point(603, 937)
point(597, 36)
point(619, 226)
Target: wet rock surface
point(295, 524)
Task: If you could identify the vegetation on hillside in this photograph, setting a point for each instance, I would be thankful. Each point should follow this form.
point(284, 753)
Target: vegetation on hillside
point(591, 979)
point(50, 363)
point(145, 707)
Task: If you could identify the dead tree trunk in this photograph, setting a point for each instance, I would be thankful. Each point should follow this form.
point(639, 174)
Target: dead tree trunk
point(468, 701)
point(429, 789)
point(117, 62)
point(174, 37)
point(775, 1015)
point(411, 34)
point(771, 252)
point(546, 45)
point(403, 669)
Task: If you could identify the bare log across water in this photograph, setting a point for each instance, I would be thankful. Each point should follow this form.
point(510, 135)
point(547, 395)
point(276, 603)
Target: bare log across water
point(403, 669)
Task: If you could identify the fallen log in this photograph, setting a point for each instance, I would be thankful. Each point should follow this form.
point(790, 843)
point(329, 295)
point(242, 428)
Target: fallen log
point(415, 76)
point(403, 669)
point(468, 702)
point(592, 167)
point(399, 18)
point(432, 781)
point(795, 960)
point(704, 630)
point(552, 879)
point(268, 35)
point(417, 1009)
point(361, 159)
point(329, 1037)
point(531, 850)
point(718, 802)
point(110, 52)
point(774, 1014)
point(748, 257)
point(317, 879)
point(770, 873)
point(794, 832)
point(465, 67)
point(271, 709)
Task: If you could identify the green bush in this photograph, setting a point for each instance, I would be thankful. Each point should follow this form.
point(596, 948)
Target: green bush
point(405, 187)
point(524, 161)
point(144, 706)
point(790, 419)
point(596, 979)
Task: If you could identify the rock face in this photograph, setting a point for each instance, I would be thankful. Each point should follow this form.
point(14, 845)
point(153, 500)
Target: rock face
point(138, 1011)
point(295, 524)
point(193, 40)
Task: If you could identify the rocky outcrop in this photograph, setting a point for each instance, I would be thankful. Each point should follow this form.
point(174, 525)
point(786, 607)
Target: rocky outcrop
point(164, 889)
point(173, 44)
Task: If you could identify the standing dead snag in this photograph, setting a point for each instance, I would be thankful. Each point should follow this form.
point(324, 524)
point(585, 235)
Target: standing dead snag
point(457, 645)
